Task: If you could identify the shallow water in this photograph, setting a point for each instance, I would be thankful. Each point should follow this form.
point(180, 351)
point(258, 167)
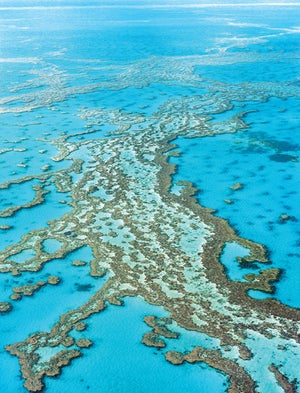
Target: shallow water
point(100, 73)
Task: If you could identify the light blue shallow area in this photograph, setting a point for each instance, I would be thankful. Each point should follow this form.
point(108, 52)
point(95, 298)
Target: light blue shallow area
point(23, 256)
point(258, 295)
point(229, 257)
point(51, 245)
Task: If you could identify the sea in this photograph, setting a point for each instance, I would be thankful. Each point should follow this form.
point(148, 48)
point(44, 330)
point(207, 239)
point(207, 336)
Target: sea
point(59, 58)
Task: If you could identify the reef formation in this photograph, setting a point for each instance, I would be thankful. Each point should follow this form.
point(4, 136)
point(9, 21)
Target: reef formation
point(148, 241)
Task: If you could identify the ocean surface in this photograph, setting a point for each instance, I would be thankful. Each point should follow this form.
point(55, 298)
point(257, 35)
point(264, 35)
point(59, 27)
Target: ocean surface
point(60, 61)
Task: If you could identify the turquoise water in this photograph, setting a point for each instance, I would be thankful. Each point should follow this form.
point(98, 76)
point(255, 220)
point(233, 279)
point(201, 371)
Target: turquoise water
point(58, 61)
point(39, 311)
point(120, 363)
point(265, 159)
point(38, 216)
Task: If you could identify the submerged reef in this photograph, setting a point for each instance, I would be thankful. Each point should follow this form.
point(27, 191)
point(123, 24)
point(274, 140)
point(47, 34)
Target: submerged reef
point(147, 241)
